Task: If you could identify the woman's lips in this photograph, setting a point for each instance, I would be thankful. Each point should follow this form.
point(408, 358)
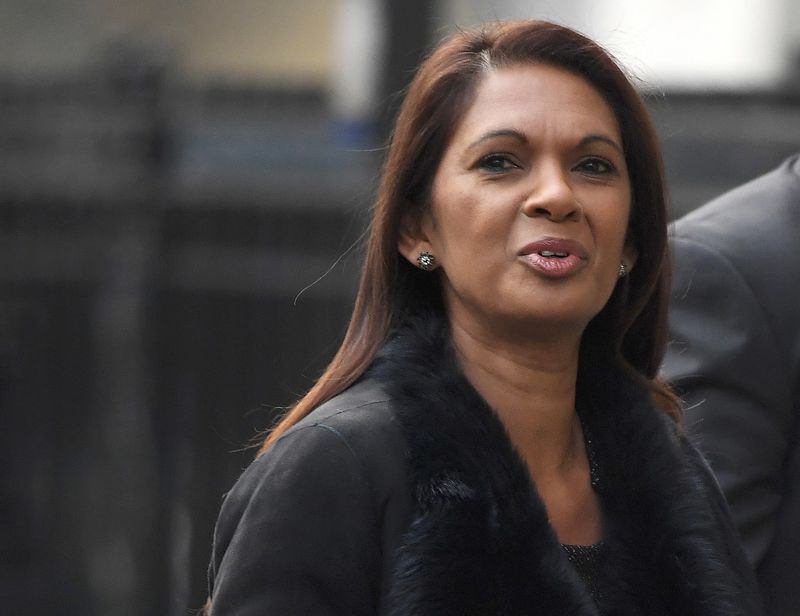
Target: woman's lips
point(555, 257)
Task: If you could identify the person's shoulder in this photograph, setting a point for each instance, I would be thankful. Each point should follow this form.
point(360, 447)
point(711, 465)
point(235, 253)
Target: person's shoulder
point(358, 424)
point(362, 414)
point(744, 233)
point(331, 482)
point(770, 199)
point(352, 437)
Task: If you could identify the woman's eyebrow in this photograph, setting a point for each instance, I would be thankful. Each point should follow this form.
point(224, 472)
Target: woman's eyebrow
point(501, 132)
point(588, 139)
point(519, 136)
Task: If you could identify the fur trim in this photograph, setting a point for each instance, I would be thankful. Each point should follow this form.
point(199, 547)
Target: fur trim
point(480, 542)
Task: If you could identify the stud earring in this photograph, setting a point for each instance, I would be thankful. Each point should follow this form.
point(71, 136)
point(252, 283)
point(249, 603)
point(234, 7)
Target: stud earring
point(622, 270)
point(426, 261)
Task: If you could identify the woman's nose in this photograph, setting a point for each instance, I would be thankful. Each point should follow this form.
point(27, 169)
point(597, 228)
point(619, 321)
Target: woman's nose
point(551, 196)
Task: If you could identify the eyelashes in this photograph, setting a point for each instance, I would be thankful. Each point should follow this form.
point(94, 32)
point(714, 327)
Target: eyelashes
point(596, 165)
point(499, 162)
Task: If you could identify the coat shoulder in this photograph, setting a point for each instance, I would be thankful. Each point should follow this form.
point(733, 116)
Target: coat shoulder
point(769, 204)
point(364, 418)
point(327, 501)
point(359, 423)
point(363, 406)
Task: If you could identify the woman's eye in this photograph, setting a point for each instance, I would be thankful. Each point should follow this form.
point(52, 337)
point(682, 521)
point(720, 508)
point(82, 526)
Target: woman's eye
point(496, 163)
point(596, 166)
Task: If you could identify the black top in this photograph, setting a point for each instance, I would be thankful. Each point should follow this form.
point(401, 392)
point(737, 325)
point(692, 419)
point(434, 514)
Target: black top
point(587, 560)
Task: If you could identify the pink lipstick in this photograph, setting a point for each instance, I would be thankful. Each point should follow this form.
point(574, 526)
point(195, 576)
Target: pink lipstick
point(555, 257)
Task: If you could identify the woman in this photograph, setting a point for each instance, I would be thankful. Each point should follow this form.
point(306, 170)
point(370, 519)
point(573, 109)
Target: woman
point(491, 437)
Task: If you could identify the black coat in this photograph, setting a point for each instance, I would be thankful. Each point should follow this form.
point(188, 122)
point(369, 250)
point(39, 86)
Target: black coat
point(735, 357)
point(403, 496)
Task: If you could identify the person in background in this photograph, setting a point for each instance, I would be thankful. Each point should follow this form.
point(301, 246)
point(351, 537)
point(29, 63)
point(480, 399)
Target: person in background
point(492, 437)
point(734, 356)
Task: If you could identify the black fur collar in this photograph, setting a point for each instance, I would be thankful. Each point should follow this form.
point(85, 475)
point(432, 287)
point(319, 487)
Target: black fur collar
point(480, 542)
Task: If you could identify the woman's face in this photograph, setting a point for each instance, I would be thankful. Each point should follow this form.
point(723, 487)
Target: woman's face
point(530, 204)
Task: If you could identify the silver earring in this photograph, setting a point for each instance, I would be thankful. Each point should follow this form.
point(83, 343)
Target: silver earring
point(622, 270)
point(426, 261)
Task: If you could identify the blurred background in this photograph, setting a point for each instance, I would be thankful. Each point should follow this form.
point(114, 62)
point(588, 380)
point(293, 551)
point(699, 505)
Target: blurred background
point(182, 184)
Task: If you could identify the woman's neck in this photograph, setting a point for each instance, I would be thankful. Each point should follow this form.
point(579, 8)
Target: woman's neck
point(530, 384)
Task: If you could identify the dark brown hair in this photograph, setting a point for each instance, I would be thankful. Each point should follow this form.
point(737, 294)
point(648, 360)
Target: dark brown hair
point(631, 328)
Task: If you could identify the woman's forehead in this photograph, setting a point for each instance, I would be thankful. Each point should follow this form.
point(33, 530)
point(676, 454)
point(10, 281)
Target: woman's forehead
point(534, 100)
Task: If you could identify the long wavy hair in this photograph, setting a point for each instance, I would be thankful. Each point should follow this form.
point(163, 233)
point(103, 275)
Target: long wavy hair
point(630, 331)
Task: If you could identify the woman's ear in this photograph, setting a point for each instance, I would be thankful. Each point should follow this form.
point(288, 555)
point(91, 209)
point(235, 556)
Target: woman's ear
point(413, 238)
point(629, 256)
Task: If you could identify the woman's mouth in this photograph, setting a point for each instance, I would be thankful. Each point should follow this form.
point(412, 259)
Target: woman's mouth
point(555, 257)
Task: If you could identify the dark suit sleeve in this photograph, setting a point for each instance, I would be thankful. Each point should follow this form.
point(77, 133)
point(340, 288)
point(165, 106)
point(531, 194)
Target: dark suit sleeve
point(298, 533)
point(724, 360)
